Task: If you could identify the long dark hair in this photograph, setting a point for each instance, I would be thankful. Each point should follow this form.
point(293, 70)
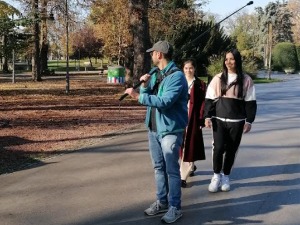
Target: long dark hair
point(239, 71)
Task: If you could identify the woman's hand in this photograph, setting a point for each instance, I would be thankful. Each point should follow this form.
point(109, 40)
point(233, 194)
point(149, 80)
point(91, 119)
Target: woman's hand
point(208, 123)
point(247, 127)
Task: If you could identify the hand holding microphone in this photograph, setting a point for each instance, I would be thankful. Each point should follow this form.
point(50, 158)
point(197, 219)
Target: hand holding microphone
point(144, 80)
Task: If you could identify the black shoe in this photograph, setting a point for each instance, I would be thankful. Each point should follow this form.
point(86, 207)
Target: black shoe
point(193, 173)
point(183, 184)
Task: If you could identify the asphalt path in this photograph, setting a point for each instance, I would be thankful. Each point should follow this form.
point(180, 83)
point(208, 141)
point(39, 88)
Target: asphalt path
point(112, 182)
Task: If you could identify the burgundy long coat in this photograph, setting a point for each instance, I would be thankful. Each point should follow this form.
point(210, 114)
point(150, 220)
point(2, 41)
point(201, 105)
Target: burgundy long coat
point(193, 140)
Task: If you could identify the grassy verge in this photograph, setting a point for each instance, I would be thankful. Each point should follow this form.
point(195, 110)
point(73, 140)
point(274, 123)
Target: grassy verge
point(265, 80)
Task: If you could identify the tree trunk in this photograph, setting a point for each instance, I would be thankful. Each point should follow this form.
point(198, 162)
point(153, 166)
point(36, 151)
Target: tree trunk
point(139, 25)
point(44, 39)
point(5, 60)
point(36, 64)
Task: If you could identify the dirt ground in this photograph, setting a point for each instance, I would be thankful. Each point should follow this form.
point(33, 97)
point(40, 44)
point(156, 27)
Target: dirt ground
point(45, 121)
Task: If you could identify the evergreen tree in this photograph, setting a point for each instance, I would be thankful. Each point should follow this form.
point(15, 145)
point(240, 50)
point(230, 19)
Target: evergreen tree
point(280, 17)
point(275, 26)
point(283, 24)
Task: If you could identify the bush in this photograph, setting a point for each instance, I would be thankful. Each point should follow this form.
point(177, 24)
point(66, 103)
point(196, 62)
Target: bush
point(251, 62)
point(215, 67)
point(250, 66)
point(298, 54)
point(284, 56)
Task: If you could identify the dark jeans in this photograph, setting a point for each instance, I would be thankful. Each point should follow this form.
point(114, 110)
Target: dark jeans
point(226, 141)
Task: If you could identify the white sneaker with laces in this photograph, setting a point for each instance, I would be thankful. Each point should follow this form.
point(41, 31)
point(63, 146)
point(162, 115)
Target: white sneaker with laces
point(172, 215)
point(215, 183)
point(225, 185)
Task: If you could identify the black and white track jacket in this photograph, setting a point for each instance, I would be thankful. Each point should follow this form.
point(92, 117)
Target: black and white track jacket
point(229, 107)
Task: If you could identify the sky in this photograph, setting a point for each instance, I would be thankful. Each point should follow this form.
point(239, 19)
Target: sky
point(13, 3)
point(226, 7)
point(220, 7)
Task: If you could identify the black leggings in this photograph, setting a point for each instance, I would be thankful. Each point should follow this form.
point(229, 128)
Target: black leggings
point(226, 140)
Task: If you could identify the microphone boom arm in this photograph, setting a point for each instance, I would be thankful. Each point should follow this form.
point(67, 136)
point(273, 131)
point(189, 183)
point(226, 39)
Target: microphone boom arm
point(192, 42)
point(201, 35)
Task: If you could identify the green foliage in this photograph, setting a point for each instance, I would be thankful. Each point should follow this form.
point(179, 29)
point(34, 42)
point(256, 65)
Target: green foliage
point(86, 44)
point(298, 54)
point(215, 67)
point(112, 25)
point(251, 62)
point(250, 67)
point(280, 17)
point(191, 43)
point(244, 31)
point(265, 80)
point(285, 56)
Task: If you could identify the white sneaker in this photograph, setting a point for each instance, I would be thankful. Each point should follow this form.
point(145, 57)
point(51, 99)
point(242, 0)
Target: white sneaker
point(215, 183)
point(225, 185)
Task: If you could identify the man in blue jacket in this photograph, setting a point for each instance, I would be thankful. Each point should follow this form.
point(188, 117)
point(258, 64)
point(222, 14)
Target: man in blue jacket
point(165, 93)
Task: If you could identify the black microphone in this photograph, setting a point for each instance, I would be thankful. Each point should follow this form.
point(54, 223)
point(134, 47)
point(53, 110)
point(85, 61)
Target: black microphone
point(250, 3)
point(152, 71)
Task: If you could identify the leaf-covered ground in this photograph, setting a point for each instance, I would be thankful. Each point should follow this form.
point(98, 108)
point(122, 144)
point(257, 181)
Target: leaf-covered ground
point(44, 121)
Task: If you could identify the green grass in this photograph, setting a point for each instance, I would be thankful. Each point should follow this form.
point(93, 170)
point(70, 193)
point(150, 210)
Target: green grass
point(74, 65)
point(256, 80)
point(265, 80)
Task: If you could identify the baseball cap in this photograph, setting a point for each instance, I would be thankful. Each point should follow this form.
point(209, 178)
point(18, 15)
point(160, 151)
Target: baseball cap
point(161, 46)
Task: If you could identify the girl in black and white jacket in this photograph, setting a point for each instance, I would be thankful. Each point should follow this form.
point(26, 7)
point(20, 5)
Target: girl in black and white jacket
point(230, 109)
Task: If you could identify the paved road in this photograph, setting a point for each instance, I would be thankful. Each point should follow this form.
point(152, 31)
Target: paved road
point(112, 182)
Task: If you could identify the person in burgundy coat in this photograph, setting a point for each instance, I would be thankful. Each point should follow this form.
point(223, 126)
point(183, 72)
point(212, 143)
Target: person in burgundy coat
point(193, 146)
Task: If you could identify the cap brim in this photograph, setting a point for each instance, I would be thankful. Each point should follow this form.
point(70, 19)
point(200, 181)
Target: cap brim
point(150, 50)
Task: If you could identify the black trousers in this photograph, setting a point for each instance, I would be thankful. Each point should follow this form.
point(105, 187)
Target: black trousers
point(226, 141)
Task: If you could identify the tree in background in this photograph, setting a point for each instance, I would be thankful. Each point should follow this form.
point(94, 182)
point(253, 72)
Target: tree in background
point(111, 21)
point(139, 27)
point(181, 22)
point(86, 44)
point(245, 34)
point(169, 17)
point(189, 45)
point(285, 57)
point(283, 24)
point(8, 35)
point(272, 28)
point(294, 8)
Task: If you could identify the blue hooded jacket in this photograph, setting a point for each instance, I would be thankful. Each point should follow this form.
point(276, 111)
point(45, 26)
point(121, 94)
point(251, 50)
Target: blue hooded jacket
point(170, 101)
